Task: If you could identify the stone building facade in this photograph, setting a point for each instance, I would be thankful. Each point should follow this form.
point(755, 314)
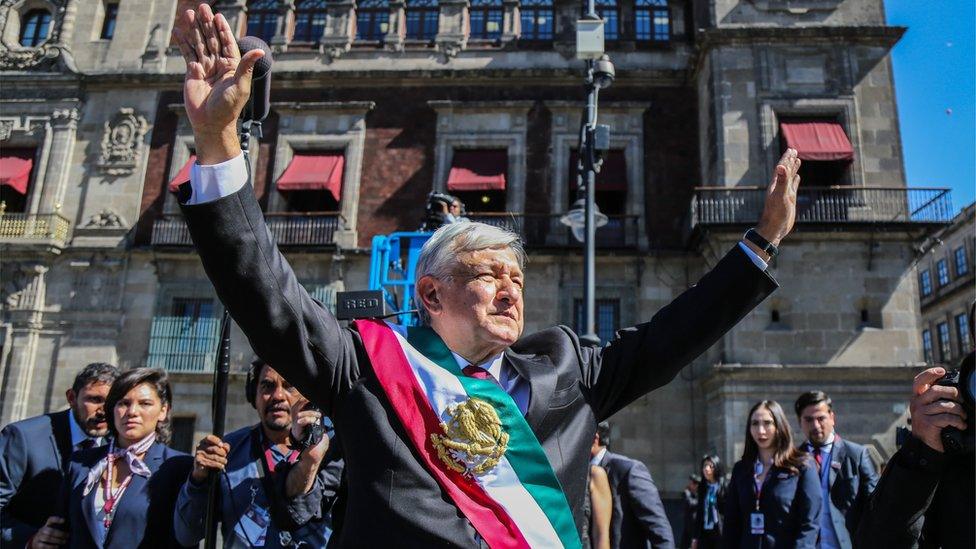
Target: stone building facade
point(946, 289)
point(397, 98)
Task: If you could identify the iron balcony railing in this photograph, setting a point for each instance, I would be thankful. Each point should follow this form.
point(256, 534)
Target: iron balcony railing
point(21, 228)
point(183, 344)
point(850, 204)
point(287, 228)
point(545, 230)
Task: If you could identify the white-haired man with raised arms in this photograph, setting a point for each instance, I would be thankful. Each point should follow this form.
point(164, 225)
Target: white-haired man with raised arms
point(463, 432)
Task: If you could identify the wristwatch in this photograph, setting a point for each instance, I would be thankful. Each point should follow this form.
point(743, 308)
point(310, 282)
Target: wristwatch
point(766, 246)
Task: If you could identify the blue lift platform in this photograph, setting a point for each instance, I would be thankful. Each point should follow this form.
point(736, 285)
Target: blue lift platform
point(393, 271)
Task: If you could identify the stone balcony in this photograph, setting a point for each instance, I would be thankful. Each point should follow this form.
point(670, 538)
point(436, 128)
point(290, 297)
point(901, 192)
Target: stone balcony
point(289, 229)
point(49, 231)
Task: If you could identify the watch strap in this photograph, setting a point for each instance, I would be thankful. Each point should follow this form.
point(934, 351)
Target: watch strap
point(766, 246)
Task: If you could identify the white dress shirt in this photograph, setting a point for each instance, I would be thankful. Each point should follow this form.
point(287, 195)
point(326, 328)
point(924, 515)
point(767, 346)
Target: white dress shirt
point(595, 460)
point(509, 380)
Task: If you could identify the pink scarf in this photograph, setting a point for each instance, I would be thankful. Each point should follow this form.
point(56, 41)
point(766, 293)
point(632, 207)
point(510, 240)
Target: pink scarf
point(136, 465)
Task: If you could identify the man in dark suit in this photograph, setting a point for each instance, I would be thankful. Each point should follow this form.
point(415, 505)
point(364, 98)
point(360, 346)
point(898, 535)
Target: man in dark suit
point(847, 475)
point(638, 518)
point(469, 288)
point(34, 457)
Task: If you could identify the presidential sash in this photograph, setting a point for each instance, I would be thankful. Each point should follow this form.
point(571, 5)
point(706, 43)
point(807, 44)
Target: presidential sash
point(472, 438)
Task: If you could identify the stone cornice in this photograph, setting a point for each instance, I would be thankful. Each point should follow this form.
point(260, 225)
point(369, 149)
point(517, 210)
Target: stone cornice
point(874, 35)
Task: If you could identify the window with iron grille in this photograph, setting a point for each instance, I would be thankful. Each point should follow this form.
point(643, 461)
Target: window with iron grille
point(485, 17)
point(945, 345)
point(927, 346)
point(607, 318)
point(652, 23)
point(187, 339)
point(610, 13)
point(34, 28)
point(962, 264)
point(962, 332)
point(372, 19)
point(942, 270)
point(262, 19)
point(421, 19)
point(309, 20)
point(537, 19)
point(925, 282)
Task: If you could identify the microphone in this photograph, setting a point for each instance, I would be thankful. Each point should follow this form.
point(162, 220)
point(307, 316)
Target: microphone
point(260, 103)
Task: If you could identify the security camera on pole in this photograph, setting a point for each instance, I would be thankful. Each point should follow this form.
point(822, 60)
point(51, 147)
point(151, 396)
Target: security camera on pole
point(585, 216)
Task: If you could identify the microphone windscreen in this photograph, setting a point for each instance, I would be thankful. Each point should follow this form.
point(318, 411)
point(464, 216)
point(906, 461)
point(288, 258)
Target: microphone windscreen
point(263, 66)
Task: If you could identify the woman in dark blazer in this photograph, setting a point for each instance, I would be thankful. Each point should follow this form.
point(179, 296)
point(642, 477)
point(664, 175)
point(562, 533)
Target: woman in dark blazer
point(773, 498)
point(707, 530)
point(123, 494)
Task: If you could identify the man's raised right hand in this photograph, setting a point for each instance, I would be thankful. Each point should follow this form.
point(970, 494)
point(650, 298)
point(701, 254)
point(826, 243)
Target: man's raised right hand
point(217, 84)
point(935, 407)
point(211, 455)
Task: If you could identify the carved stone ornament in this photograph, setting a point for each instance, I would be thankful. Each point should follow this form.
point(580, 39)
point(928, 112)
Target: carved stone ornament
point(450, 48)
point(52, 55)
point(122, 142)
point(6, 128)
point(106, 219)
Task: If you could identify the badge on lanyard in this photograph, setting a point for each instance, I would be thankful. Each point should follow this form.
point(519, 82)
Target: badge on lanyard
point(252, 528)
point(757, 522)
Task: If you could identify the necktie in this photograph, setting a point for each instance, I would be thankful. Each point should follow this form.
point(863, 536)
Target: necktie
point(479, 373)
point(818, 455)
point(86, 444)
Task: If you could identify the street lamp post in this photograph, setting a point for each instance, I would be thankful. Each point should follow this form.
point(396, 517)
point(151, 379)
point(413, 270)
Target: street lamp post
point(585, 215)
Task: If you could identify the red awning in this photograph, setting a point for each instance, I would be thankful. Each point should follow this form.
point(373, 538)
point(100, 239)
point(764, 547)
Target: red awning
point(478, 170)
point(314, 172)
point(613, 173)
point(183, 175)
point(817, 139)
point(15, 168)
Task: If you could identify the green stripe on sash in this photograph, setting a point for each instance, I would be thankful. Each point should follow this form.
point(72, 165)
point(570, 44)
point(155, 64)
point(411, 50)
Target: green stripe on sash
point(524, 452)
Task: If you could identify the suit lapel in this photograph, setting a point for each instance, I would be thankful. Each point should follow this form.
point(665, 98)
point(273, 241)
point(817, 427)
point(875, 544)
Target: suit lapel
point(61, 437)
point(836, 456)
point(538, 371)
point(133, 499)
point(88, 508)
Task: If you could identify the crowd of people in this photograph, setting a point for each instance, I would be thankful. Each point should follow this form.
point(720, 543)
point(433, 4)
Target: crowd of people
point(460, 432)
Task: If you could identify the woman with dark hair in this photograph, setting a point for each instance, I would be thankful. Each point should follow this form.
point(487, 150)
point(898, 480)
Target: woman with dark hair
point(774, 495)
point(123, 494)
point(711, 504)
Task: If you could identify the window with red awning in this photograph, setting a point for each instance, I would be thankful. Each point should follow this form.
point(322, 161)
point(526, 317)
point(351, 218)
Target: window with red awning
point(314, 171)
point(817, 139)
point(478, 170)
point(15, 169)
point(183, 175)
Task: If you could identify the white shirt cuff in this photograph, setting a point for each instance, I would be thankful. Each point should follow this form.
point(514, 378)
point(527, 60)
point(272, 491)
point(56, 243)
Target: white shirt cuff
point(216, 181)
point(755, 258)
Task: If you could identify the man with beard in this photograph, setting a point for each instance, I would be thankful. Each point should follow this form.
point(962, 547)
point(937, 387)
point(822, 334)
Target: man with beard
point(254, 510)
point(34, 454)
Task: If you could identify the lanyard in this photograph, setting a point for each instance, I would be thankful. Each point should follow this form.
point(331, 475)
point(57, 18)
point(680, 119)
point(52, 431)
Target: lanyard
point(112, 497)
point(756, 485)
point(271, 462)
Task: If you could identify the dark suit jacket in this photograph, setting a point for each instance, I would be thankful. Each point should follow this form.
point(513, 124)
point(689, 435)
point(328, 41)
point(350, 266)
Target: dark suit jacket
point(33, 457)
point(851, 481)
point(571, 387)
point(144, 517)
point(924, 499)
point(638, 518)
point(791, 505)
point(699, 527)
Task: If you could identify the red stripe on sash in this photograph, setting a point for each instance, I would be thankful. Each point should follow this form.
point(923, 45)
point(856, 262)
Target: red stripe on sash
point(410, 402)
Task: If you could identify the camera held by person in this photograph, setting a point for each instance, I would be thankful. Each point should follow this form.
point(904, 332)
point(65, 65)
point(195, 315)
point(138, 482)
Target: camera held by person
point(438, 211)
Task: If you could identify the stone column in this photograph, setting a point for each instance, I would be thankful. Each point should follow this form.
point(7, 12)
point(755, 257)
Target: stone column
point(340, 28)
point(279, 42)
point(64, 129)
point(26, 307)
point(398, 26)
point(511, 21)
point(234, 12)
point(452, 27)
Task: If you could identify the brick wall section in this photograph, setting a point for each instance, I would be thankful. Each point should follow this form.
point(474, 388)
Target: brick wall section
point(157, 167)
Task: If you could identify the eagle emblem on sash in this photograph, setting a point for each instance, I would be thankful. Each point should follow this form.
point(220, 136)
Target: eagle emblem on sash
point(473, 439)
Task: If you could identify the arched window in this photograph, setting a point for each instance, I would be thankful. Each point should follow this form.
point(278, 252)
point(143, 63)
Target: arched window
point(486, 19)
point(372, 19)
point(421, 19)
point(34, 28)
point(262, 19)
point(610, 13)
point(309, 20)
point(652, 21)
point(537, 19)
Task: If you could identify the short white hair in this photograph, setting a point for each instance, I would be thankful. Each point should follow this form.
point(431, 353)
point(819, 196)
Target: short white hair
point(439, 254)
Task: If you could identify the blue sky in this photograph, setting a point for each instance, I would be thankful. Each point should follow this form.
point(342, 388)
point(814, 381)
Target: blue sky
point(935, 70)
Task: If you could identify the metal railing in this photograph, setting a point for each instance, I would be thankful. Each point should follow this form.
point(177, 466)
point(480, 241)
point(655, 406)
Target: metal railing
point(34, 228)
point(287, 228)
point(183, 344)
point(545, 230)
point(846, 204)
